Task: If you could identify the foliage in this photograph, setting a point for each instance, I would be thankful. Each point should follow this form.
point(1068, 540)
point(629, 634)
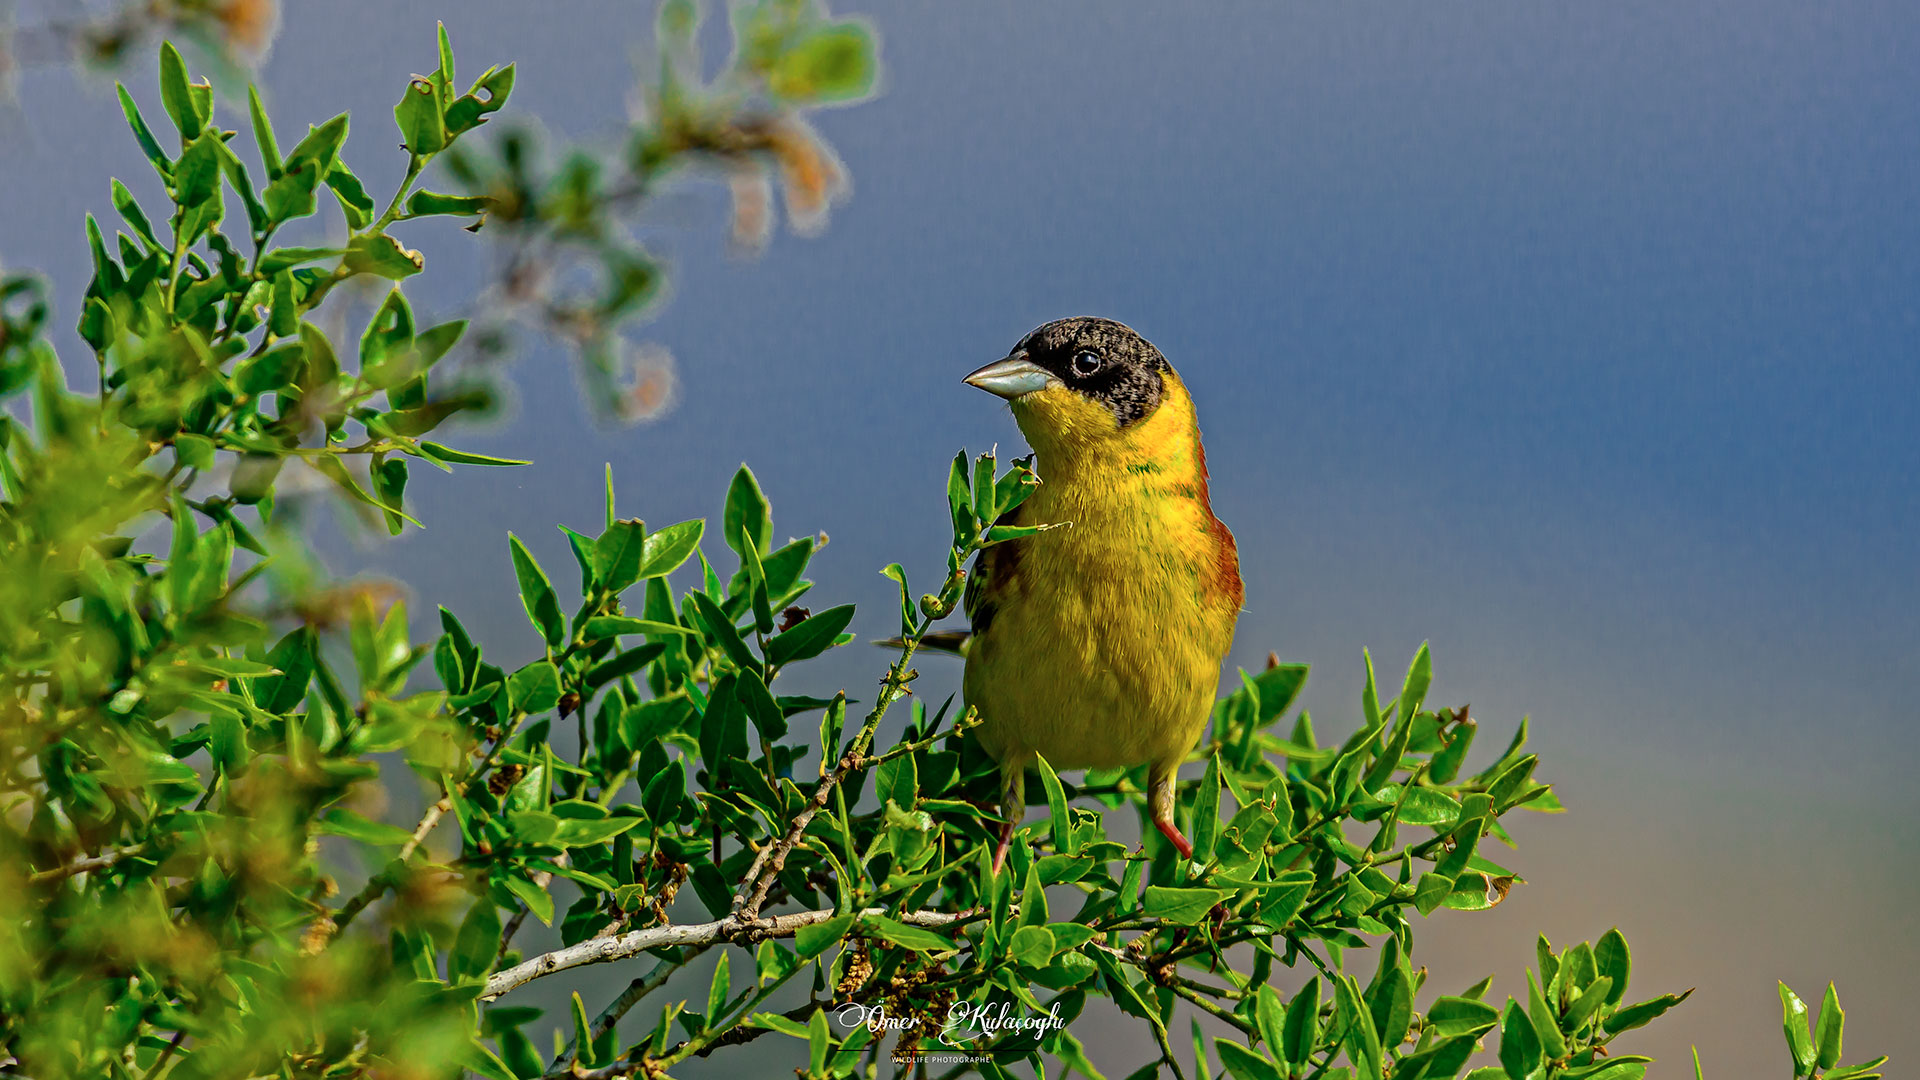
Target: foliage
point(195, 730)
point(232, 32)
point(573, 262)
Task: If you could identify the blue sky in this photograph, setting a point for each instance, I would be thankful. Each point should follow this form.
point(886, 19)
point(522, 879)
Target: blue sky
point(1578, 340)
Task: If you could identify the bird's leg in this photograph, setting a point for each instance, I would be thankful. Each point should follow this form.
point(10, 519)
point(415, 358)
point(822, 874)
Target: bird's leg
point(1013, 805)
point(1160, 798)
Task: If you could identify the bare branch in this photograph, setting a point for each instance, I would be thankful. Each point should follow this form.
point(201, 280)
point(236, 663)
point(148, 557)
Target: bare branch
point(377, 884)
point(81, 866)
point(420, 831)
point(605, 950)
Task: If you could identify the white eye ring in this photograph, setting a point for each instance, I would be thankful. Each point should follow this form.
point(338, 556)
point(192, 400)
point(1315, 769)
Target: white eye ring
point(1086, 363)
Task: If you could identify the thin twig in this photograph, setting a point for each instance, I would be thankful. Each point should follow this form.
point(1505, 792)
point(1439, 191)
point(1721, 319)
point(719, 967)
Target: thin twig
point(618, 1007)
point(772, 858)
point(427, 823)
point(604, 950)
point(377, 884)
point(81, 866)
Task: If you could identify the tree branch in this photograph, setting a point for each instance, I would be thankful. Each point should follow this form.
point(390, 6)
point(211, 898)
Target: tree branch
point(377, 884)
point(427, 823)
point(605, 950)
point(81, 866)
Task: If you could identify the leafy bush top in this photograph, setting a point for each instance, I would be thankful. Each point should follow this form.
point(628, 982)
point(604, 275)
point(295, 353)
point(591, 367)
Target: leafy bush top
point(192, 723)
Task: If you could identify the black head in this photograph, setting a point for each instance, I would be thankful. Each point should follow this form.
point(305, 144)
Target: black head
point(1103, 360)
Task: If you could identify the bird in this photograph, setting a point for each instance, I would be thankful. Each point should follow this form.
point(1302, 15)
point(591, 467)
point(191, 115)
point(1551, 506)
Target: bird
point(1098, 644)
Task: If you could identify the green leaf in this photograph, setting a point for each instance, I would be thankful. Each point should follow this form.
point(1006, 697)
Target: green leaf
point(718, 990)
point(142, 134)
point(1432, 892)
point(1362, 1039)
point(810, 637)
point(1063, 839)
point(470, 110)
point(343, 822)
point(1646, 1012)
point(618, 553)
point(606, 626)
point(622, 664)
point(1370, 696)
point(263, 134)
point(285, 258)
point(389, 478)
point(1303, 1023)
point(1862, 1071)
point(1001, 533)
point(907, 937)
point(1519, 1043)
point(752, 693)
point(229, 743)
point(1206, 811)
point(534, 688)
point(748, 521)
point(537, 595)
point(1390, 1001)
point(1587, 1004)
point(776, 1022)
point(1413, 691)
point(136, 219)
point(177, 95)
point(1799, 1037)
point(1278, 687)
point(476, 943)
point(812, 940)
point(429, 203)
point(819, 1043)
point(1546, 1024)
point(460, 457)
point(271, 370)
point(667, 548)
point(355, 204)
point(382, 256)
point(898, 782)
point(837, 62)
point(721, 631)
point(1183, 906)
point(1032, 946)
point(1612, 958)
point(1826, 1035)
point(1242, 1063)
point(1626, 1068)
point(420, 117)
point(1451, 1017)
point(538, 900)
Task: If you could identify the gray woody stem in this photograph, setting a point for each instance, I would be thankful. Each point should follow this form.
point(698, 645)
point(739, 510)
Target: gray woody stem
point(604, 950)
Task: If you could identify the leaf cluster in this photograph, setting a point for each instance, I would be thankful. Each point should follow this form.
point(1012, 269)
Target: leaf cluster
point(574, 261)
point(200, 735)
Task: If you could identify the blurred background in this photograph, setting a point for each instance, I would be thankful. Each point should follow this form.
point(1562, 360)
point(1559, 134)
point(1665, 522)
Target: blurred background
point(1579, 340)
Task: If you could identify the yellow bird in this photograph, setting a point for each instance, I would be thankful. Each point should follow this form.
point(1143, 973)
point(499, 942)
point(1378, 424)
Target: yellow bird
point(1099, 645)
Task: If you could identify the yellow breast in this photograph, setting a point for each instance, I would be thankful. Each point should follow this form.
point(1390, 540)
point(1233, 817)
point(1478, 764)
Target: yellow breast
point(1105, 638)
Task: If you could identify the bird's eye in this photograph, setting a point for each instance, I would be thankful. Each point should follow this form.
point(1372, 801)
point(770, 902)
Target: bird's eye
point(1086, 363)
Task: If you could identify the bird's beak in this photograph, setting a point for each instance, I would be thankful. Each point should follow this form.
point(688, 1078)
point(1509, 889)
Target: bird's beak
point(1014, 377)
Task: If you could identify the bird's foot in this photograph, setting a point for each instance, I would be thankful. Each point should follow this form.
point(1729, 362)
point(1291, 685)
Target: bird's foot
point(1180, 843)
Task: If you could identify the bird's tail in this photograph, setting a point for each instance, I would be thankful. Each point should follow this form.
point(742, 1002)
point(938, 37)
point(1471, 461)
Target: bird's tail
point(952, 642)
